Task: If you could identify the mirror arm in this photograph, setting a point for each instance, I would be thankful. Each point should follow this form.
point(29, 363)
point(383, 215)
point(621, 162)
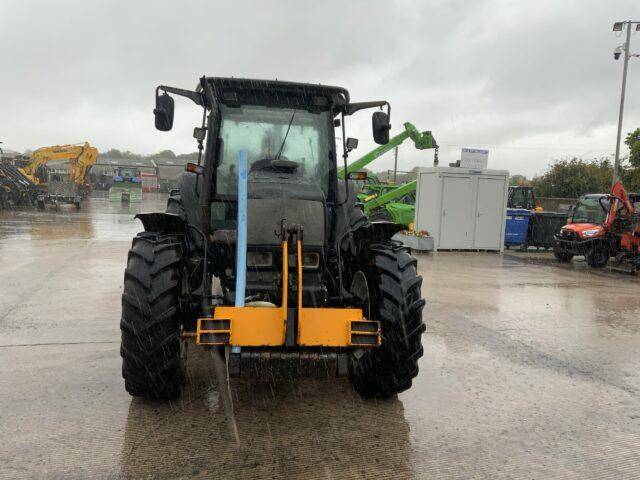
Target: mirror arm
point(352, 108)
point(196, 97)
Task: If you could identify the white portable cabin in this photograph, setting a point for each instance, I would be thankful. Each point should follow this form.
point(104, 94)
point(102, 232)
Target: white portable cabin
point(462, 209)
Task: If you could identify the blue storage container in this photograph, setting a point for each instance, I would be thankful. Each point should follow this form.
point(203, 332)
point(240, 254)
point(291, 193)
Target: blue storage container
point(515, 232)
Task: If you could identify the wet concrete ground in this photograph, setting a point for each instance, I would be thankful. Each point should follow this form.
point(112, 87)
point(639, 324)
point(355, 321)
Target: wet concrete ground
point(531, 370)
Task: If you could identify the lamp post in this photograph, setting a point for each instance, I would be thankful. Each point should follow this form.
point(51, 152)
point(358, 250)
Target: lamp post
point(624, 48)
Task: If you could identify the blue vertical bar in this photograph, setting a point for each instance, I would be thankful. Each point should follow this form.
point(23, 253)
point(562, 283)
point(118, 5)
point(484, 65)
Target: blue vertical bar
point(241, 238)
point(241, 242)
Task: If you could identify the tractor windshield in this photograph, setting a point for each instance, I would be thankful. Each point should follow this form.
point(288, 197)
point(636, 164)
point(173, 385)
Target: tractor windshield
point(261, 131)
point(589, 210)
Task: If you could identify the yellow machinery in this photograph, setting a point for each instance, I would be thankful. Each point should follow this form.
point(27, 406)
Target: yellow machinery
point(81, 159)
point(316, 327)
point(61, 186)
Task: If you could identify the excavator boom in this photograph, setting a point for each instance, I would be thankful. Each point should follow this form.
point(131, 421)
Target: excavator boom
point(81, 158)
point(619, 201)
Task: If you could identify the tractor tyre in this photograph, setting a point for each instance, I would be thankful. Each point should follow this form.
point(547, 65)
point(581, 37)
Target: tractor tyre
point(597, 256)
point(153, 355)
point(387, 287)
point(562, 255)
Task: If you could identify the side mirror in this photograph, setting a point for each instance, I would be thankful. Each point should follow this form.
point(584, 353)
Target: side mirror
point(381, 127)
point(352, 143)
point(164, 112)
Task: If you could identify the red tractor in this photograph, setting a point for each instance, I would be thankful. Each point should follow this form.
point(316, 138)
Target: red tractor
point(600, 227)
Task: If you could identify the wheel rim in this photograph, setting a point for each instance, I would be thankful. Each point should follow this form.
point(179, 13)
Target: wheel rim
point(360, 291)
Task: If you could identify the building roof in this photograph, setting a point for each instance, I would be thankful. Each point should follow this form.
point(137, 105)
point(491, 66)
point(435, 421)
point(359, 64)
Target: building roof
point(142, 162)
point(128, 162)
point(180, 162)
point(8, 153)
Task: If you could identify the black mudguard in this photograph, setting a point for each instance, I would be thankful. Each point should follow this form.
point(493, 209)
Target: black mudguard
point(162, 222)
point(376, 230)
point(383, 230)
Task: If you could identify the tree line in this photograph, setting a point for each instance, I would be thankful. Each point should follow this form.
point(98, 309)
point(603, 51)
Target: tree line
point(572, 177)
point(126, 154)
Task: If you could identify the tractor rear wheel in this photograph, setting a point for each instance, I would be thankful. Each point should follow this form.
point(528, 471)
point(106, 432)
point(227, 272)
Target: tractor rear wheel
point(597, 256)
point(387, 287)
point(153, 356)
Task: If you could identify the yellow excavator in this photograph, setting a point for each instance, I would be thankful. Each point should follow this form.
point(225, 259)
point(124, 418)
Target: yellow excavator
point(62, 185)
point(81, 158)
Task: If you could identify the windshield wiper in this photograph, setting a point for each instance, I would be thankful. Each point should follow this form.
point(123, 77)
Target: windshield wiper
point(285, 136)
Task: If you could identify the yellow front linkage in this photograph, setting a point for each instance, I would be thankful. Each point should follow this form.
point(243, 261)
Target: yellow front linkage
point(267, 326)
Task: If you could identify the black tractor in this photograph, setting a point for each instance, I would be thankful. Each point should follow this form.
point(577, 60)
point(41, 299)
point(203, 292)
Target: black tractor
point(263, 253)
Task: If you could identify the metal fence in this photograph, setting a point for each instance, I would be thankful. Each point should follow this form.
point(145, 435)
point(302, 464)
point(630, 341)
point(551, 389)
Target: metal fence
point(551, 204)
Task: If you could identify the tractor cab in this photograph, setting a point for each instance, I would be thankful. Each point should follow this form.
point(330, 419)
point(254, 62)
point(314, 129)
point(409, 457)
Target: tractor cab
point(288, 133)
point(291, 175)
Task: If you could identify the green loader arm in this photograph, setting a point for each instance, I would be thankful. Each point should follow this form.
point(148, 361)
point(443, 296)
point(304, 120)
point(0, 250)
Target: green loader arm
point(422, 140)
point(394, 194)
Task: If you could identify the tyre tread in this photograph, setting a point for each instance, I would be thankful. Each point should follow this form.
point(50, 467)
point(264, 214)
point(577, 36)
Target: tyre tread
point(150, 347)
point(390, 368)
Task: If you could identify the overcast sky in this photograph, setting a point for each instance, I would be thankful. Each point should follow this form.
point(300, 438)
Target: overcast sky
point(531, 81)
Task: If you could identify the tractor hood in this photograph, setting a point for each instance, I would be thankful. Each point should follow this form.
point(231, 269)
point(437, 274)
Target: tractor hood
point(583, 230)
point(271, 202)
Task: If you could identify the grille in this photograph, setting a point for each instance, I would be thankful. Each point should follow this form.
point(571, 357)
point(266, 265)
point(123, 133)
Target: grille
point(569, 235)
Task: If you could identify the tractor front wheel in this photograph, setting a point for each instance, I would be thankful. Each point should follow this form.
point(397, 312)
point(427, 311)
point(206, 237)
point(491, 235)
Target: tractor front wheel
point(153, 355)
point(562, 255)
point(597, 256)
point(387, 287)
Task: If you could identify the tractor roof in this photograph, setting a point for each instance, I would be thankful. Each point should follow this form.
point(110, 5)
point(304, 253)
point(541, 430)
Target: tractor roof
point(632, 195)
point(238, 91)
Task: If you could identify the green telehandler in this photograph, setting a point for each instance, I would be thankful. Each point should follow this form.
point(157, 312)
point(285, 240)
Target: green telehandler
point(388, 201)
